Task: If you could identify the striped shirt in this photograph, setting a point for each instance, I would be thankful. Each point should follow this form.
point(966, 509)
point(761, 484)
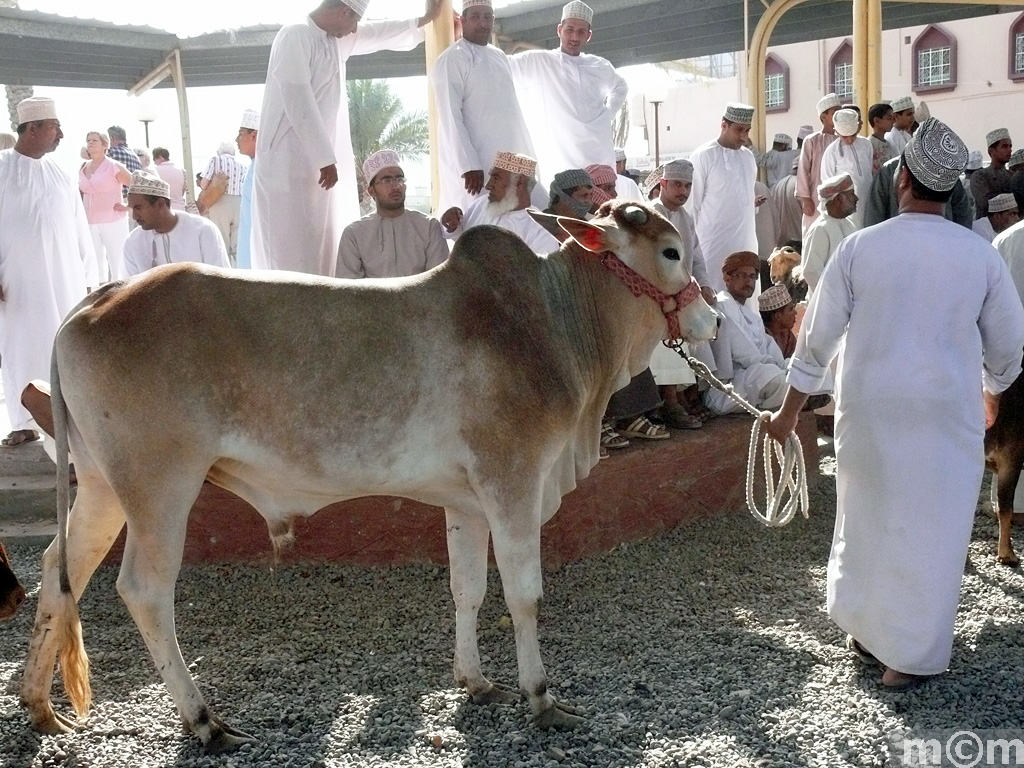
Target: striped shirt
point(227, 164)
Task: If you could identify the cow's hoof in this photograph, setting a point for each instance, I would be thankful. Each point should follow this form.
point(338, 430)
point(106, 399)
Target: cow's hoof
point(1011, 561)
point(224, 738)
point(496, 694)
point(54, 725)
point(560, 716)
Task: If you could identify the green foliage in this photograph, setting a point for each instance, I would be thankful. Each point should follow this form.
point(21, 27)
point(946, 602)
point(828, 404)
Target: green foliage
point(377, 121)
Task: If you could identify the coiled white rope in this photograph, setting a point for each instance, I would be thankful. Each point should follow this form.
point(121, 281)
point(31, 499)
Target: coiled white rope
point(793, 476)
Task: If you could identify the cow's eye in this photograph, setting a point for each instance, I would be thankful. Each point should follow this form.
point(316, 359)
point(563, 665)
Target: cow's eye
point(671, 253)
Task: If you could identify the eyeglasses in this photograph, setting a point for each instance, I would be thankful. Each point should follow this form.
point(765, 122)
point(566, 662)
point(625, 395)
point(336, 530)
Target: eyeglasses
point(391, 181)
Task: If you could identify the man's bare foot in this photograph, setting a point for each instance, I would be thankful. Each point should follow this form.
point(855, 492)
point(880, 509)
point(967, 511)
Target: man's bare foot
point(19, 437)
point(892, 678)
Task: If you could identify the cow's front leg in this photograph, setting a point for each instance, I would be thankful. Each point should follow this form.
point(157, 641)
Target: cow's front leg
point(517, 551)
point(468, 535)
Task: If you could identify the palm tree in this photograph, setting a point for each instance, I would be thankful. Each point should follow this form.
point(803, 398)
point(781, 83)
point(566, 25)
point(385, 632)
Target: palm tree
point(377, 121)
point(15, 93)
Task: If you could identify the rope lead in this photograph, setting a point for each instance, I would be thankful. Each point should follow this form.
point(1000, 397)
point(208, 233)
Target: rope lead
point(793, 476)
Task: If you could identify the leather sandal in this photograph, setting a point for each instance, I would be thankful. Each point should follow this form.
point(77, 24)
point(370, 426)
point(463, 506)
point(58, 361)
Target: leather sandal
point(645, 429)
point(610, 438)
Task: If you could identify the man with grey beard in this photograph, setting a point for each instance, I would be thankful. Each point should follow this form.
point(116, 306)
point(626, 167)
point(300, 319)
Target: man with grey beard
point(509, 184)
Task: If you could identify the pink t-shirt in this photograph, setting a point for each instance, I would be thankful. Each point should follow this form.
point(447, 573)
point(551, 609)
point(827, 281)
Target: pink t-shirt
point(100, 193)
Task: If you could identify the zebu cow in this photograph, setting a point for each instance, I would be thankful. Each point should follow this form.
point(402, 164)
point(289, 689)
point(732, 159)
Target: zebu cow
point(12, 594)
point(1004, 455)
point(285, 389)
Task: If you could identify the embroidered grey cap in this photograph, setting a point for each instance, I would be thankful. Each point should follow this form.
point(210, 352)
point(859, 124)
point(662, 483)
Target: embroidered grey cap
point(739, 113)
point(782, 138)
point(805, 131)
point(1016, 159)
point(145, 184)
point(997, 135)
point(974, 160)
point(936, 155)
point(570, 179)
point(1004, 202)
point(678, 170)
point(620, 154)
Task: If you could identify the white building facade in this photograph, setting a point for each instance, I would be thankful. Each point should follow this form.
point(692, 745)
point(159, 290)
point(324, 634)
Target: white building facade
point(969, 72)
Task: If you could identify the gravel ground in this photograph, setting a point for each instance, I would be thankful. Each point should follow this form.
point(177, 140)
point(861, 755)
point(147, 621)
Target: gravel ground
point(708, 646)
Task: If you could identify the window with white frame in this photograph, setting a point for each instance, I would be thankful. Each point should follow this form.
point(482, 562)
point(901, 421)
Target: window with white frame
point(774, 91)
point(934, 60)
point(933, 66)
point(1018, 56)
point(842, 76)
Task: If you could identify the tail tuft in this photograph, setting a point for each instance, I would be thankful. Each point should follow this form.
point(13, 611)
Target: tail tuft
point(74, 663)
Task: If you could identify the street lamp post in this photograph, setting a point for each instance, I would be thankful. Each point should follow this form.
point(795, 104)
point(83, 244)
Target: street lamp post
point(657, 95)
point(657, 136)
point(145, 112)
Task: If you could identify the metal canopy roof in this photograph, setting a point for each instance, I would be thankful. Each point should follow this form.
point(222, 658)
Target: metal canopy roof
point(46, 50)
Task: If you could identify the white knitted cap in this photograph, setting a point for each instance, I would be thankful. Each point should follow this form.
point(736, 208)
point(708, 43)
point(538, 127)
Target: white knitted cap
point(1004, 202)
point(827, 102)
point(846, 122)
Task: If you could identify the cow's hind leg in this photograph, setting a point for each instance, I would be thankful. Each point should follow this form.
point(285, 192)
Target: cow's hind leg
point(94, 523)
point(152, 558)
point(468, 535)
point(1008, 467)
point(517, 552)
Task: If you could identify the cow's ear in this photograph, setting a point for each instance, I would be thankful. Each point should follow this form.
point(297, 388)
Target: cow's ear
point(590, 236)
point(546, 220)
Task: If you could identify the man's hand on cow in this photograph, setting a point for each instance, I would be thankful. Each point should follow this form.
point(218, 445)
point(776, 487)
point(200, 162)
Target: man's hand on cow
point(451, 219)
point(328, 176)
point(991, 408)
point(709, 294)
point(806, 206)
point(474, 181)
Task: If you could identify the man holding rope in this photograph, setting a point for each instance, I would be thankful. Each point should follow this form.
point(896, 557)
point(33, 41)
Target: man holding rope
point(922, 310)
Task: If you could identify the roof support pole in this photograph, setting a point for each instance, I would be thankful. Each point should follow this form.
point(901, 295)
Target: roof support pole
point(440, 34)
point(874, 52)
point(755, 65)
point(171, 67)
point(860, 56)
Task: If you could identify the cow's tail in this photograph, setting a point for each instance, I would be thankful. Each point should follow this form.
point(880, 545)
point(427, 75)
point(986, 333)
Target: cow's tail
point(74, 663)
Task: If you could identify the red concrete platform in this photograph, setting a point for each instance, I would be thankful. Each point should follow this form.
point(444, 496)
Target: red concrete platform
point(636, 493)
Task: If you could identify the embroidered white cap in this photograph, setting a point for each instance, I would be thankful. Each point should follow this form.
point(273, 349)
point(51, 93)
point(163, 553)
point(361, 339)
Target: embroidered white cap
point(1004, 202)
point(846, 122)
point(378, 161)
point(514, 163)
point(250, 120)
point(827, 102)
point(36, 108)
point(146, 184)
point(902, 104)
point(359, 6)
point(578, 10)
